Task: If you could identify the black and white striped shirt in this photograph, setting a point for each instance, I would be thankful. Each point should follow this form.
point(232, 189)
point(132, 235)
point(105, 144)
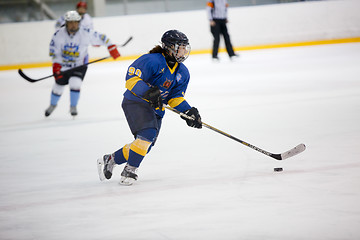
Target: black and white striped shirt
point(217, 9)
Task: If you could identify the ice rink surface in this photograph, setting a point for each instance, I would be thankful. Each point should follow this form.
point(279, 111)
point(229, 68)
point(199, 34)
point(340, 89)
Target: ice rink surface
point(194, 184)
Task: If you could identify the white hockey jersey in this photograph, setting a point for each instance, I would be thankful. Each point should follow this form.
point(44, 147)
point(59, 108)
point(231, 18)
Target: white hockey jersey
point(72, 50)
point(86, 22)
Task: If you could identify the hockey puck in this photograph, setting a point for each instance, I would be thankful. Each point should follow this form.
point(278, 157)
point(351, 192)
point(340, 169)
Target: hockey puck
point(278, 169)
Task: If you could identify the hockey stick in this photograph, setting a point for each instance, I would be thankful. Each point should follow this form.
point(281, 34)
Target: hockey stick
point(52, 75)
point(280, 156)
point(22, 74)
point(125, 43)
point(119, 45)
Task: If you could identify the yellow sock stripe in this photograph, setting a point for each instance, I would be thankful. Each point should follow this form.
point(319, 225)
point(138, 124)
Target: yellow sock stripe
point(140, 146)
point(125, 151)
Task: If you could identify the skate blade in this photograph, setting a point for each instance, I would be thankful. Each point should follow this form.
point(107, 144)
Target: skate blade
point(125, 181)
point(100, 164)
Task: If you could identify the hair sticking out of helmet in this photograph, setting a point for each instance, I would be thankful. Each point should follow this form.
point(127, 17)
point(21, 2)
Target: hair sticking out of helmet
point(81, 4)
point(72, 16)
point(176, 44)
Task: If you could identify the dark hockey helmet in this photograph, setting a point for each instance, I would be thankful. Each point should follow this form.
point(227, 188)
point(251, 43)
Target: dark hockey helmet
point(176, 44)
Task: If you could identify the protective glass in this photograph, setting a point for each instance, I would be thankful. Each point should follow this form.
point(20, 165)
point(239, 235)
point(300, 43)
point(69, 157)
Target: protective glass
point(181, 52)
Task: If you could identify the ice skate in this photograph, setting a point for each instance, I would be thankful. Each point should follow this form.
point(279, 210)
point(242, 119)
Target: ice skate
point(105, 166)
point(234, 57)
point(49, 110)
point(73, 111)
point(128, 175)
point(216, 59)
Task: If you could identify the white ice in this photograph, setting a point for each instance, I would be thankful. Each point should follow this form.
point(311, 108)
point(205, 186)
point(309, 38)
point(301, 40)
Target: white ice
point(195, 184)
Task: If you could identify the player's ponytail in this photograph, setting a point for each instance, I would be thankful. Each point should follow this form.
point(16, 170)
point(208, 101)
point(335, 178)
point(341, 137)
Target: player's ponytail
point(157, 49)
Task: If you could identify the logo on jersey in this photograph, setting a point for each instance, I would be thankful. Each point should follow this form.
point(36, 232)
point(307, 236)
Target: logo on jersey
point(52, 53)
point(178, 77)
point(70, 52)
point(102, 37)
point(162, 70)
point(167, 84)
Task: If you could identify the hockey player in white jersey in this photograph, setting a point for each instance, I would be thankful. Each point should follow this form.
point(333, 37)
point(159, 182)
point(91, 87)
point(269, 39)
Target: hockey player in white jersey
point(69, 49)
point(86, 20)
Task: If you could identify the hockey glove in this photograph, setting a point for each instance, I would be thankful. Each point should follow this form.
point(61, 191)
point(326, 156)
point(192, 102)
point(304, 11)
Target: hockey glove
point(195, 120)
point(57, 71)
point(113, 51)
point(153, 95)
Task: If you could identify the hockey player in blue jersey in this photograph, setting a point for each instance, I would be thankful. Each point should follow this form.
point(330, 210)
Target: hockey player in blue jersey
point(152, 80)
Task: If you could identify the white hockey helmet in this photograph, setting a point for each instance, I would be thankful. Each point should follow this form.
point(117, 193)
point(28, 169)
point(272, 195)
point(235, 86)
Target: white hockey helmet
point(72, 16)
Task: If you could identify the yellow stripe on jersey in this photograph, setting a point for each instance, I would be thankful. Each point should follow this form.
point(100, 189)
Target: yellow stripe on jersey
point(140, 146)
point(131, 82)
point(174, 102)
point(172, 70)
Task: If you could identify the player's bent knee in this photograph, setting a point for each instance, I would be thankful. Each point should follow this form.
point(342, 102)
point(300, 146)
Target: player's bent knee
point(140, 146)
point(58, 89)
point(75, 83)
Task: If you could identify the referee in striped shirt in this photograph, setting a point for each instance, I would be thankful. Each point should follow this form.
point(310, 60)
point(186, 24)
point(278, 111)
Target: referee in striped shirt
point(217, 14)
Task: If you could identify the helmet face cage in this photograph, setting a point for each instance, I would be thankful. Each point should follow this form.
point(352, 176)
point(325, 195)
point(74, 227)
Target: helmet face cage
point(179, 51)
point(176, 44)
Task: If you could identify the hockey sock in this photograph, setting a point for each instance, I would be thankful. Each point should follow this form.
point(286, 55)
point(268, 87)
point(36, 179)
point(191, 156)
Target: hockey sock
point(122, 155)
point(74, 97)
point(149, 134)
point(132, 153)
point(138, 150)
point(135, 152)
point(54, 99)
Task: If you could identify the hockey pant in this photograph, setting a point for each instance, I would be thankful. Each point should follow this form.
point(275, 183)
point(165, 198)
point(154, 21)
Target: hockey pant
point(74, 79)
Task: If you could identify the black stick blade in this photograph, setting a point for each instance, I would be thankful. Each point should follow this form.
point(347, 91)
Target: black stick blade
point(22, 74)
point(25, 77)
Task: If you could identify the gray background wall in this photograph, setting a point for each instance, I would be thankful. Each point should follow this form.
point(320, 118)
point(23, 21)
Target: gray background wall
point(253, 25)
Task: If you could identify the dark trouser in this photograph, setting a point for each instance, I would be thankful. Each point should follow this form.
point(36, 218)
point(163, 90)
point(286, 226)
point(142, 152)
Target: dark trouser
point(220, 28)
point(77, 73)
point(140, 116)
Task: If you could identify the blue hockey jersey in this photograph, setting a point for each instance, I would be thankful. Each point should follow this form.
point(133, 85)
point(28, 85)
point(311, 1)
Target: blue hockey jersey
point(152, 70)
